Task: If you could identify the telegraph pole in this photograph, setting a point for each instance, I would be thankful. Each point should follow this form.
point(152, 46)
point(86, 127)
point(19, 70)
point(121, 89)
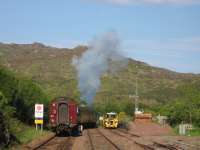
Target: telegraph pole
point(135, 97)
point(136, 94)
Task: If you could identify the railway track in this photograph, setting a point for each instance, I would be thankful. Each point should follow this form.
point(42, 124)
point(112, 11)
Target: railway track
point(171, 145)
point(43, 143)
point(126, 132)
point(56, 143)
point(90, 140)
point(182, 146)
point(141, 144)
point(152, 145)
point(100, 141)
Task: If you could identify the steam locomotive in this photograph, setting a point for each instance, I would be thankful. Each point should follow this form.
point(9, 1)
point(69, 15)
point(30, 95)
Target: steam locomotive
point(66, 116)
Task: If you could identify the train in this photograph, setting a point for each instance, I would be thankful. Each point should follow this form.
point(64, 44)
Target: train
point(110, 120)
point(67, 116)
point(87, 117)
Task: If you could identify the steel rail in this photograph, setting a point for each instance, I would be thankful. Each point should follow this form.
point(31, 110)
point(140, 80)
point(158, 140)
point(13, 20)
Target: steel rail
point(90, 140)
point(44, 143)
point(148, 147)
point(111, 142)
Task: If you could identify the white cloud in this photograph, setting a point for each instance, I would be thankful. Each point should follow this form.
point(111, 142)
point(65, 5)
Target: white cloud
point(124, 2)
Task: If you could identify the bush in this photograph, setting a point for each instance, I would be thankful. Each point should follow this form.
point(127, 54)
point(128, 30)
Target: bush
point(21, 94)
point(124, 120)
point(17, 99)
point(184, 108)
point(6, 113)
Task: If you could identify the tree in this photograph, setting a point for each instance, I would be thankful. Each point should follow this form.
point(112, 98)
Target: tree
point(6, 113)
point(22, 94)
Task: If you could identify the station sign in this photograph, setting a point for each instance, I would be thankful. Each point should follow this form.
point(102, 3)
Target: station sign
point(39, 121)
point(39, 111)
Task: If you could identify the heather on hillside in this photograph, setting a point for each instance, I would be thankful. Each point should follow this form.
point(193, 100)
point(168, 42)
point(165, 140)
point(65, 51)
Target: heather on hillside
point(51, 68)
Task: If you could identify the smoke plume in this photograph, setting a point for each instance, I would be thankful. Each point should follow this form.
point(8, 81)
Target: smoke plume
point(95, 62)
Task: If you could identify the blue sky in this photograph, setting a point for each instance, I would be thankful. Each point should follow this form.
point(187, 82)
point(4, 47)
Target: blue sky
point(164, 33)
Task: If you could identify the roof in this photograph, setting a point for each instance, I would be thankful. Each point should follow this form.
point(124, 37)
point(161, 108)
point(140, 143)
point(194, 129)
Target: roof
point(63, 99)
point(111, 113)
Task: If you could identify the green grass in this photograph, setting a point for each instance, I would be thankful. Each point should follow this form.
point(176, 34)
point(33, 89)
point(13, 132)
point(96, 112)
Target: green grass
point(29, 133)
point(194, 132)
point(24, 135)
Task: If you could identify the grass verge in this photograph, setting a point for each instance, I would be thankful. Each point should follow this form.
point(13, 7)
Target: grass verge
point(25, 134)
point(193, 132)
point(29, 133)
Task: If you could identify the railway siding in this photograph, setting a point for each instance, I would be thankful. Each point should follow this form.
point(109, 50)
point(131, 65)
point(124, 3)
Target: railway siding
point(122, 142)
point(152, 144)
point(99, 141)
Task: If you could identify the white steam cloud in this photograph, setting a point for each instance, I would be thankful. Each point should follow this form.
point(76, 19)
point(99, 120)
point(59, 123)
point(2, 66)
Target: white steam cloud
point(95, 62)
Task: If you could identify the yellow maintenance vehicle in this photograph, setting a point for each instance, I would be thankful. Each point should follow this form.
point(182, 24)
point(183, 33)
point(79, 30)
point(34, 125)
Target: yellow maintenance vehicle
point(110, 120)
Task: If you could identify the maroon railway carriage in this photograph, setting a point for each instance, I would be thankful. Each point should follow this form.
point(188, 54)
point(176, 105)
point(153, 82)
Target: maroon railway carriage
point(63, 116)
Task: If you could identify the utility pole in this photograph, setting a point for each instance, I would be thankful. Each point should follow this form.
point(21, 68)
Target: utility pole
point(135, 97)
point(136, 94)
point(136, 91)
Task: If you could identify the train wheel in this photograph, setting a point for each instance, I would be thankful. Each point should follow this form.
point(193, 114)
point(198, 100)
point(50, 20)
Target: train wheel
point(70, 133)
point(80, 130)
point(80, 133)
point(57, 132)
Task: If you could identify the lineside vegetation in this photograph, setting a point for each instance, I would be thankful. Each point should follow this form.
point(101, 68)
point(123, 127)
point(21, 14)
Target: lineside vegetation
point(17, 99)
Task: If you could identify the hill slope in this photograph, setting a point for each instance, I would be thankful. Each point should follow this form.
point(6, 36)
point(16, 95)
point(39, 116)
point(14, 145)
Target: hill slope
point(51, 68)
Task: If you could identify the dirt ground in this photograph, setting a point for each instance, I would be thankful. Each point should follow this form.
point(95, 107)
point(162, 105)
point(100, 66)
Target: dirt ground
point(82, 142)
point(149, 129)
point(98, 138)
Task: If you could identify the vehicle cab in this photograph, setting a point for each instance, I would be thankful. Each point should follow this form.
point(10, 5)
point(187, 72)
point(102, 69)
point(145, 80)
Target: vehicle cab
point(110, 120)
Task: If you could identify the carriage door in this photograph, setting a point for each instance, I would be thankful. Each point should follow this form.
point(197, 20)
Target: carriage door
point(73, 113)
point(63, 113)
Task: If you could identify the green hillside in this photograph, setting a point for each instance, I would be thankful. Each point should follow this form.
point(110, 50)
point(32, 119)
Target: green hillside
point(51, 69)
